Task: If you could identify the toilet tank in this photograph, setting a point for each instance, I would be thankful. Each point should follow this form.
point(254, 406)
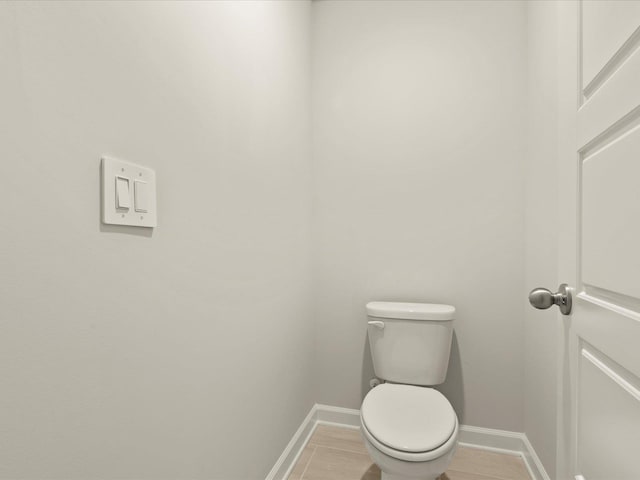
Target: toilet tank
point(410, 342)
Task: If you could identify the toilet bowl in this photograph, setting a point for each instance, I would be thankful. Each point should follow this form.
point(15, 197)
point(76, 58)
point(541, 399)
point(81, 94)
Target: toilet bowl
point(409, 428)
point(410, 432)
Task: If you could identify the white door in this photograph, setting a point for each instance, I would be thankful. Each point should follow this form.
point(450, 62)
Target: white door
point(599, 155)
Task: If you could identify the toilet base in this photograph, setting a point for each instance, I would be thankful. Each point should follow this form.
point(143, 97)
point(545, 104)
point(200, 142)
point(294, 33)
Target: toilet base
point(390, 476)
point(395, 469)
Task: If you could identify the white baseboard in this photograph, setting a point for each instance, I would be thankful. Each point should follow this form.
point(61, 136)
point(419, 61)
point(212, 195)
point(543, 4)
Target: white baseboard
point(345, 417)
point(532, 461)
point(318, 415)
point(501, 441)
point(292, 451)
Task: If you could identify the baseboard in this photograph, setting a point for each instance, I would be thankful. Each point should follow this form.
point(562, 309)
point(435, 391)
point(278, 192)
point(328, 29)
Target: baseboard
point(345, 417)
point(501, 441)
point(533, 462)
point(292, 451)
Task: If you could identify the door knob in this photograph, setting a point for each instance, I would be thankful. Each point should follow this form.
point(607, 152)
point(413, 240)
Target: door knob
point(542, 298)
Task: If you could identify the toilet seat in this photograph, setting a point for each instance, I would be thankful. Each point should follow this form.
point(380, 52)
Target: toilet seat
point(407, 422)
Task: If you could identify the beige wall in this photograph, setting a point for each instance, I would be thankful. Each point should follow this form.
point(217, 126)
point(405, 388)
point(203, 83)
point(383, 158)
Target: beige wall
point(177, 354)
point(125, 354)
point(541, 252)
point(419, 116)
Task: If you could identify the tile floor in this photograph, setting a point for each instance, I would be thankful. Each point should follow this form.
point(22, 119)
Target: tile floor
point(335, 453)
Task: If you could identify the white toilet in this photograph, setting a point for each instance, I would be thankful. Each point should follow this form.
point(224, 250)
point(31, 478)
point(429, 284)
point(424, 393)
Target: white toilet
point(409, 429)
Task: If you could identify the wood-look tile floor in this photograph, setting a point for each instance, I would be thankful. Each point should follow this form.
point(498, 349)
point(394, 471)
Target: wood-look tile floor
point(335, 453)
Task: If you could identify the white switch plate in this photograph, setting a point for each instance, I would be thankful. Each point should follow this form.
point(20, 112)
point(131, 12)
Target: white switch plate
point(112, 168)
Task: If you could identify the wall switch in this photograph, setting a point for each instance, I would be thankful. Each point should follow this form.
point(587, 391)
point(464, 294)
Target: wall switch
point(125, 184)
point(122, 193)
point(141, 196)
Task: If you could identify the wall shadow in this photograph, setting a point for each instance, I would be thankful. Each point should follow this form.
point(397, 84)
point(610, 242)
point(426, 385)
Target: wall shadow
point(367, 369)
point(127, 230)
point(453, 387)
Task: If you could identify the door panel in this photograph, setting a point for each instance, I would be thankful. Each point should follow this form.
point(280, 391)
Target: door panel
point(610, 202)
point(607, 26)
point(613, 107)
point(608, 437)
point(599, 158)
point(608, 326)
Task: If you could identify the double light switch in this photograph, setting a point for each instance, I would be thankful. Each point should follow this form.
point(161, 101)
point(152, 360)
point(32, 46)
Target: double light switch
point(128, 194)
point(140, 194)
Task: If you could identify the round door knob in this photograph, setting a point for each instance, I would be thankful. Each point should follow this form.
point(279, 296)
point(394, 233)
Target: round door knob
point(542, 298)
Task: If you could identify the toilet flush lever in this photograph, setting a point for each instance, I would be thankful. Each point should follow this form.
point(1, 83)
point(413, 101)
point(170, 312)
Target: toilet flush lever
point(377, 323)
point(542, 298)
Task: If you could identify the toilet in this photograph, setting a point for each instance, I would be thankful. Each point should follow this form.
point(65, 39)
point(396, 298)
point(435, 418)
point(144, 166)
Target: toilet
point(409, 429)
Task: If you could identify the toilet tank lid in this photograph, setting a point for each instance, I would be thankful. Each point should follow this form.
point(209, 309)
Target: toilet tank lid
point(411, 311)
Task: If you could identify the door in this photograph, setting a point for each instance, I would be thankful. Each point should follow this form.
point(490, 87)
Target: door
point(599, 156)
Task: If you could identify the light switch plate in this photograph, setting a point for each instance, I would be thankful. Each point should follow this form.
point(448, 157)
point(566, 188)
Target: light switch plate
point(111, 214)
